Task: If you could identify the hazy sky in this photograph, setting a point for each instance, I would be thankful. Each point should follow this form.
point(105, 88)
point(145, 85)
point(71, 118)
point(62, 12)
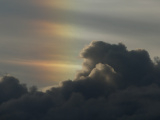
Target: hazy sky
point(40, 40)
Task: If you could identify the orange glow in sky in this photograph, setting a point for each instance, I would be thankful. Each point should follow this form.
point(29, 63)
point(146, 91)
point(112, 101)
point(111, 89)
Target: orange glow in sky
point(52, 29)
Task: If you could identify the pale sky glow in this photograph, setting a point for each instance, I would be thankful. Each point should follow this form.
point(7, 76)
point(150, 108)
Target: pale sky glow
point(34, 32)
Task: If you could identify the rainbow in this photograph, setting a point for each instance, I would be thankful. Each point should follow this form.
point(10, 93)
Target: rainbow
point(60, 35)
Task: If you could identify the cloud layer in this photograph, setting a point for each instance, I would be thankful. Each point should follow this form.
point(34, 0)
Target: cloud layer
point(114, 84)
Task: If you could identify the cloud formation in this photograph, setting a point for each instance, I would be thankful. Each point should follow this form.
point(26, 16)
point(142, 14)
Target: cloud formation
point(114, 84)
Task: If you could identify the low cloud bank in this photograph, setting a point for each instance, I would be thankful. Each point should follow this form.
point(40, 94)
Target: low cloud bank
point(114, 84)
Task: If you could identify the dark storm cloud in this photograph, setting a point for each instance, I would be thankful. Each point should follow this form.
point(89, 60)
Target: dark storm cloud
point(10, 89)
point(130, 65)
point(115, 84)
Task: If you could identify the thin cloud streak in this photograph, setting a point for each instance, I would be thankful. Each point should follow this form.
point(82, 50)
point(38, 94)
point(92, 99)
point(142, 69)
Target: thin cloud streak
point(40, 63)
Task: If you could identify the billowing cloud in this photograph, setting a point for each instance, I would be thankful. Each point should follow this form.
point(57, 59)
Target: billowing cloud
point(114, 84)
point(10, 89)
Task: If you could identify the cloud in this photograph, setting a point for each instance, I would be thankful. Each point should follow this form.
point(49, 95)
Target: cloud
point(114, 84)
point(11, 89)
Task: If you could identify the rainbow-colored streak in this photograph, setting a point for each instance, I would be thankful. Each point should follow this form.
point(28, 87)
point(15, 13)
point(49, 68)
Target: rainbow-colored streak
point(58, 36)
point(51, 29)
point(54, 26)
point(48, 71)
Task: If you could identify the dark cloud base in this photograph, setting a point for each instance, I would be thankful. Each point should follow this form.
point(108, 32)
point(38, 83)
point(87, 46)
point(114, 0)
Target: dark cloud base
point(115, 84)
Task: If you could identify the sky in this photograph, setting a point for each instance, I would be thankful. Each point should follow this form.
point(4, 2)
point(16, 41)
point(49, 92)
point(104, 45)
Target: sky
point(41, 41)
point(79, 60)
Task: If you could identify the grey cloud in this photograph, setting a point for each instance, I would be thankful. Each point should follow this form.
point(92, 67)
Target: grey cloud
point(116, 84)
point(16, 17)
point(118, 25)
point(21, 9)
point(110, 21)
point(11, 89)
point(131, 65)
point(29, 10)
